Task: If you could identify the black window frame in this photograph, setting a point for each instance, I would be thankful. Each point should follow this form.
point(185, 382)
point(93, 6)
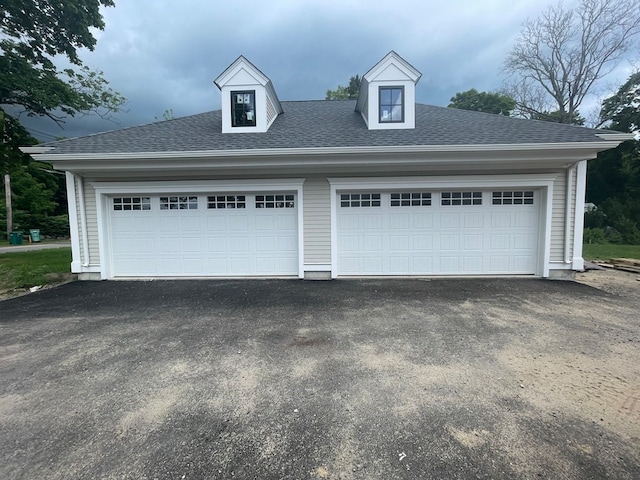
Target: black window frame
point(234, 104)
point(391, 105)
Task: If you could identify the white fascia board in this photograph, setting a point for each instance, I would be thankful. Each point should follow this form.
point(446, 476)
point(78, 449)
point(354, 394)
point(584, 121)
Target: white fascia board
point(584, 150)
point(239, 63)
point(36, 150)
point(393, 58)
point(617, 136)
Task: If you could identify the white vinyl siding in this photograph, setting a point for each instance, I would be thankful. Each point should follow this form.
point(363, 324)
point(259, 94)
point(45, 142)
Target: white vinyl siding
point(317, 221)
point(92, 223)
point(557, 219)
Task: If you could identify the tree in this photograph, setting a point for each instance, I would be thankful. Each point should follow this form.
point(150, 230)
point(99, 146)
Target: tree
point(613, 179)
point(487, 102)
point(622, 108)
point(32, 33)
point(561, 54)
point(349, 92)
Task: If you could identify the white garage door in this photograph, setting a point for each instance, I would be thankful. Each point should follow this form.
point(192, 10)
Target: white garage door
point(453, 232)
point(215, 234)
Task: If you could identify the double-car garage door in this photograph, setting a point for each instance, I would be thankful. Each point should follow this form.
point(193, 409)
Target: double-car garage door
point(423, 232)
point(215, 234)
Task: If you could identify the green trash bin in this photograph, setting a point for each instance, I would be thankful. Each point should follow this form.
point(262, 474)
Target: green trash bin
point(35, 235)
point(15, 238)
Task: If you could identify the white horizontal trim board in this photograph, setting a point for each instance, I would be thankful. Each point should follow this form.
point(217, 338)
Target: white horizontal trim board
point(541, 183)
point(576, 147)
point(105, 190)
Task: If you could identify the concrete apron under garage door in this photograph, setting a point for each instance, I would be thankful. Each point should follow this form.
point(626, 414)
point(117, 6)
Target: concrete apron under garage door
point(426, 232)
point(217, 234)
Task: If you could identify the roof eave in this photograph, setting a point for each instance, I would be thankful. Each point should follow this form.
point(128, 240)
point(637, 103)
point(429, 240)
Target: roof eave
point(569, 147)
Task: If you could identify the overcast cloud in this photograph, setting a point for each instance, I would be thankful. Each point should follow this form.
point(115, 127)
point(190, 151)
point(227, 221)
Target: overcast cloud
point(165, 54)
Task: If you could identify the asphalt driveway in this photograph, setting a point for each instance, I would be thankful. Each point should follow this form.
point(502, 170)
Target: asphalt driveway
point(275, 379)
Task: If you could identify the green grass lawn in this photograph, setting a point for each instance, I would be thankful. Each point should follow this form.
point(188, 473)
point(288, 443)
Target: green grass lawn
point(28, 269)
point(609, 251)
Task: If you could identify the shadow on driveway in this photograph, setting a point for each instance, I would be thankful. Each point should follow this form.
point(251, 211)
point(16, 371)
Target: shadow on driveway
point(277, 379)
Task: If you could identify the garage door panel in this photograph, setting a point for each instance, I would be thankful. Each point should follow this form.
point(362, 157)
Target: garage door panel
point(422, 265)
point(450, 220)
point(212, 235)
point(474, 220)
point(347, 243)
point(500, 241)
point(286, 244)
point(449, 264)
point(286, 223)
point(265, 222)
point(500, 264)
point(472, 264)
point(371, 222)
point(240, 244)
point(236, 223)
point(169, 244)
point(464, 233)
point(422, 242)
point(473, 242)
point(422, 221)
point(399, 221)
point(449, 242)
point(372, 265)
point(399, 264)
point(169, 224)
point(399, 242)
point(349, 222)
point(372, 243)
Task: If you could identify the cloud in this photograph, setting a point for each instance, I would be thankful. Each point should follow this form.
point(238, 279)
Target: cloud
point(165, 55)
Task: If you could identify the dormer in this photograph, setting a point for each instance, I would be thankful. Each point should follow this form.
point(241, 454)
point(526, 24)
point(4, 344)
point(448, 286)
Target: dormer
point(387, 98)
point(249, 101)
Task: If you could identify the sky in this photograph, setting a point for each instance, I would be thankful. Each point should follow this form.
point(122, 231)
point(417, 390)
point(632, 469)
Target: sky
point(164, 55)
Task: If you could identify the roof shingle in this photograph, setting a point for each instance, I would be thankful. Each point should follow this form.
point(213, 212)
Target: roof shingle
point(322, 123)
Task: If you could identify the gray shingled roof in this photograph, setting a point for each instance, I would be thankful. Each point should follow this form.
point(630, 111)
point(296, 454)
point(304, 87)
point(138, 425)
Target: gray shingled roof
point(322, 123)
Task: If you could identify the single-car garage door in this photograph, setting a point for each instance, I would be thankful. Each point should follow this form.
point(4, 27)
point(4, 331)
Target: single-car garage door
point(214, 234)
point(424, 232)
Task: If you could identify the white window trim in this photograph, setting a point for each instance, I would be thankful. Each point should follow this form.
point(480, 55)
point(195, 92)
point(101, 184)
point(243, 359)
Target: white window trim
point(543, 182)
point(104, 190)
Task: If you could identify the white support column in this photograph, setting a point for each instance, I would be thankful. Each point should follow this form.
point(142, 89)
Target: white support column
point(76, 258)
point(578, 228)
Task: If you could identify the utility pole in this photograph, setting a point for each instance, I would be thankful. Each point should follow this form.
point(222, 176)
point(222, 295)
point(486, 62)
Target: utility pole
point(7, 178)
point(7, 195)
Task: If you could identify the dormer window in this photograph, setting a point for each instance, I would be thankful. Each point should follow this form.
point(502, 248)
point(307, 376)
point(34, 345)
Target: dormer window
point(387, 98)
point(391, 104)
point(249, 101)
point(243, 108)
